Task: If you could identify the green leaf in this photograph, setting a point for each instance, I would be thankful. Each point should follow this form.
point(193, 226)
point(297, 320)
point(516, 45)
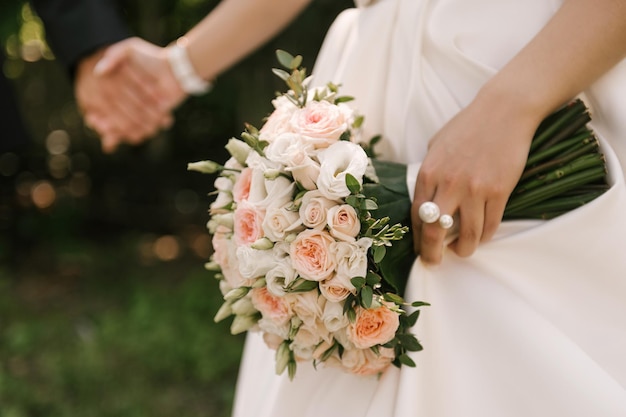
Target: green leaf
point(343, 99)
point(379, 253)
point(282, 74)
point(419, 304)
point(410, 343)
point(351, 315)
point(367, 296)
point(394, 298)
point(345, 136)
point(353, 185)
point(372, 278)
point(412, 318)
point(296, 62)
point(358, 282)
point(406, 360)
point(369, 204)
point(285, 58)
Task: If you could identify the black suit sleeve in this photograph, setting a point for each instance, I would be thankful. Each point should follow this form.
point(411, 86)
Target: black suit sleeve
point(75, 28)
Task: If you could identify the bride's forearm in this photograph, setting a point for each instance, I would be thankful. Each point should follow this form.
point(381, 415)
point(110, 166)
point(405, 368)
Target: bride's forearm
point(234, 29)
point(582, 41)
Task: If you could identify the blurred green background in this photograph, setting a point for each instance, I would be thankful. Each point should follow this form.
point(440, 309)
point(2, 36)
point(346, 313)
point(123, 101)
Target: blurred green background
point(105, 307)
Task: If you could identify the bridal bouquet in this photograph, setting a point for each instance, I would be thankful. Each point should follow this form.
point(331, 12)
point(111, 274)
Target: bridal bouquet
point(311, 232)
point(300, 236)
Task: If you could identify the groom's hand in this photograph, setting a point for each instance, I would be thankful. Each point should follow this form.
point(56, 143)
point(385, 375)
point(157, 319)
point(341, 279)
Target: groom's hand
point(124, 102)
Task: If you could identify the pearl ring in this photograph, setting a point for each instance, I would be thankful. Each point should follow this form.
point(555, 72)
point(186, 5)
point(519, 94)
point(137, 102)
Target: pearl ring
point(446, 221)
point(429, 212)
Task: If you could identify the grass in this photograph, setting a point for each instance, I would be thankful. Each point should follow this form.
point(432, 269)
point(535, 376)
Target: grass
point(99, 333)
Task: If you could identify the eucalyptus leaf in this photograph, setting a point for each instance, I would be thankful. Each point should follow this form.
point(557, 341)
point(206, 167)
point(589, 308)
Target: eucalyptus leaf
point(358, 282)
point(296, 62)
point(352, 183)
point(285, 58)
point(379, 253)
point(406, 360)
point(367, 296)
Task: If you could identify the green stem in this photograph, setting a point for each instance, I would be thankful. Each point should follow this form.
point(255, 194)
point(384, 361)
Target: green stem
point(518, 203)
point(581, 163)
point(561, 121)
point(573, 153)
point(564, 147)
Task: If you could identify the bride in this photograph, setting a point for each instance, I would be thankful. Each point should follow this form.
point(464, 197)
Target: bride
point(527, 318)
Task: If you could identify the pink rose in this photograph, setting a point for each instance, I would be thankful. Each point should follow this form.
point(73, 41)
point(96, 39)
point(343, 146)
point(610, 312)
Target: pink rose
point(373, 326)
point(224, 255)
point(278, 122)
point(270, 306)
point(343, 222)
point(322, 121)
point(310, 254)
point(248, 221)
point(241, 189)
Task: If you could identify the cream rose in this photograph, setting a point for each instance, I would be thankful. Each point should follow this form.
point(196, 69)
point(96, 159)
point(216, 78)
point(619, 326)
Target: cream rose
point(307, 306)
point(313, 210)
point(279, 221)
point(336, 288)
point(343, 222)
point(322, 121)
point(335, 162)
point(364, 362)
point(373, 326)
point(310, 254)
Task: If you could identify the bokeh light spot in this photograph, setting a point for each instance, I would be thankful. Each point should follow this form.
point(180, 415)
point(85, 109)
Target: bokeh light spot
point(166, 248)
point(43, 194)
point(58, 142)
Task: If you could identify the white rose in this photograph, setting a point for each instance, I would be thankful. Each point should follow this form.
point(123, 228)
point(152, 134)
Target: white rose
point(343, 222)
point(336, 161)
point(313, 210)
point(272, 327)
point(238, 149)
point(254, 263)
point(333, 317)
point(279, 221)
point(281, 275)
point(266, 193)
point(351, 258)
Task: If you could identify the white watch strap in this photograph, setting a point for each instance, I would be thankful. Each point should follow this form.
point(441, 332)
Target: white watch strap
point(183, 70)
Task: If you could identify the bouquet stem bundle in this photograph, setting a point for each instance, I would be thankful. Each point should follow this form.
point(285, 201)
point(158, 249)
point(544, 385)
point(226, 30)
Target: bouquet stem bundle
point(565, 167)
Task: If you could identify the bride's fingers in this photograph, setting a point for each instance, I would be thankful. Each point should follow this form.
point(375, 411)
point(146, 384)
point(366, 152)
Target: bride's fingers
point(471, 225)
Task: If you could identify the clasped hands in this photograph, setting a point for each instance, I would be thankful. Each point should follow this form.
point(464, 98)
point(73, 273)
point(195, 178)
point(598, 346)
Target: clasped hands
point(127, 92)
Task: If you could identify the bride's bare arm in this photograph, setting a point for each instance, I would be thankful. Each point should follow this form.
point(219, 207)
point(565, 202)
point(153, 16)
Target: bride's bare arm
point(234, 29)
point(475, 161)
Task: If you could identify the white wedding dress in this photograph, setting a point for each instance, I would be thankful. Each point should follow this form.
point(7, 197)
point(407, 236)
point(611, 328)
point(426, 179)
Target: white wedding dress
point(534, 323)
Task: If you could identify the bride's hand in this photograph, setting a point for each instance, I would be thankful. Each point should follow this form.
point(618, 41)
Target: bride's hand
point(472, 165)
